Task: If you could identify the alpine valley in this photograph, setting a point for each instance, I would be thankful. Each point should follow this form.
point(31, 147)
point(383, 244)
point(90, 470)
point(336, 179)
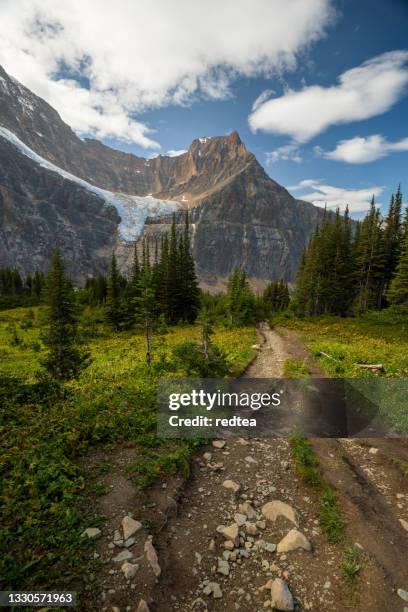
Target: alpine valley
point(59, 190)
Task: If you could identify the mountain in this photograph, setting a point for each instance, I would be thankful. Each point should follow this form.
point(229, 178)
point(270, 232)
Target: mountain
point(90, 199)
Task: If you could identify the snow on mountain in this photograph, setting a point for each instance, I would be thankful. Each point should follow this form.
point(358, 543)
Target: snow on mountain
point(133, 210)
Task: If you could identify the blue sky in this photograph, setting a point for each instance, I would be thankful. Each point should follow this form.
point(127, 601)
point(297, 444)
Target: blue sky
point(150, 77)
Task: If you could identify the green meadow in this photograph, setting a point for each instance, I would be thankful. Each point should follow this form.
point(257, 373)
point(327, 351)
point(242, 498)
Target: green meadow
point(45, 430)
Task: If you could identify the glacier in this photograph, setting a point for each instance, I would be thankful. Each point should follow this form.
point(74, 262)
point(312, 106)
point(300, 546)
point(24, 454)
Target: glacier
point(133, 210)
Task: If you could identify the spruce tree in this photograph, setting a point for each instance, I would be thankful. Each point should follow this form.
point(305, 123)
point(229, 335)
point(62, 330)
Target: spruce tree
point(114, 307)
point(190, 295)
point(174, 297)
point(392, 240)
point(146, 311)
point(64, 359)
point(370, 260)
point(398, 291)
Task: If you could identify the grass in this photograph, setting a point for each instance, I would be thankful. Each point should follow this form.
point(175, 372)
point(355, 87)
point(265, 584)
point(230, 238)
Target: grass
point(374, 338)
point(352, 564)
point(331, 517)
point(294, 368)
point(45, 429)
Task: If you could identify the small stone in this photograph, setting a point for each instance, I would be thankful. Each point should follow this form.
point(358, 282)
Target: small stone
point(231, 533)
point(293, 540)
point(276, 508)
point(240, 519)
point(151, 557)
point(211, 545)
point(229, 545)
point(129, 569)
point(281, 597)
point(216, 590)
point(142, 607)
point(251, 529)
point(93, 533)
point(231, 485)
point(327, 585)
point(129, 542)
point(373, 450)
point(269, 547)
point(207, 456)
point(250, 459)
point(248, 510)
point(199, 603)
point(218, 443)
point(125, 555)
point(402, 594)
point(198, 558)
point(223, 567)
point(404, 524)
point(261, 525)
point(130, 527)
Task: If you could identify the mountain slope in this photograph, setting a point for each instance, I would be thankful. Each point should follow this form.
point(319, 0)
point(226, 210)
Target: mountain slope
point(240, 216)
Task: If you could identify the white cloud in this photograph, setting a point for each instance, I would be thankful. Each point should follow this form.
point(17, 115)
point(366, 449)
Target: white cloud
point(320, 194)
point(360, 150)
point(132, 56)
point(361, 93)
point(176, 152)
point(288, 152)
point(263, 97)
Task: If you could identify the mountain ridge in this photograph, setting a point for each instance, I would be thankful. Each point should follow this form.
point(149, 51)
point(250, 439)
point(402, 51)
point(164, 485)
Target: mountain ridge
point(240, 216)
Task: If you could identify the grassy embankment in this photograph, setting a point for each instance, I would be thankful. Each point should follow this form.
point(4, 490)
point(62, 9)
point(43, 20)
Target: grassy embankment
point(43, 432)
point(374, 338)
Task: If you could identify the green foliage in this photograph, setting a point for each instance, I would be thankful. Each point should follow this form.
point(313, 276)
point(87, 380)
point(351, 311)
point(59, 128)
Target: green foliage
point(64, 359)
point(398, 291)
point(352, 563)
point(294, 368)
point(275, 297)
point(343, 271)
point(191, 356)
point(331, 517)
point(114, 309)
point(46, 425)
point(240, 302)
point(16, 291)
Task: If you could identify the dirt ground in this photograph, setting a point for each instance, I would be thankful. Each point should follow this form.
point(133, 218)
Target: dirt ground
point(183, 516)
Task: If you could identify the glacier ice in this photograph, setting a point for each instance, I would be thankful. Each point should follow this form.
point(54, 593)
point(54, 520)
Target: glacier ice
point(133, 210)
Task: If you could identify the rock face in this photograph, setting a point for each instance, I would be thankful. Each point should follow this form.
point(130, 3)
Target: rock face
point(240, 216)
point(40, 210)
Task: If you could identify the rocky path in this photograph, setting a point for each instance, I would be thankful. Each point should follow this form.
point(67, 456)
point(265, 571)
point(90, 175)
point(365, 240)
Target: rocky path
point(243, 533)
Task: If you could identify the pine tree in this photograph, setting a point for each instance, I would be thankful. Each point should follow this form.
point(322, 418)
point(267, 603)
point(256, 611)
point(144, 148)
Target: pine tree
point(174, 297)
point(146, 312)
point(114, 307)
point(392, 240)
point(398, 291)
point(370, 261)
point(64, 359)
point(190, 295)
point(240, 300)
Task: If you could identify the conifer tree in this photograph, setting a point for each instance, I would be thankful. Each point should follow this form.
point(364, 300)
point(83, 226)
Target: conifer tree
point(174, 296)
point(114, 307)
point(240, 299)
point(392, 240)
point(398, 291)
point(190, 296)
point(64, 359)
point(146, 312)
point(370, 261)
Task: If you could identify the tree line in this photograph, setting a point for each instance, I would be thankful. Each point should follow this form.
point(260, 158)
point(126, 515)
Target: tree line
point(351, 267)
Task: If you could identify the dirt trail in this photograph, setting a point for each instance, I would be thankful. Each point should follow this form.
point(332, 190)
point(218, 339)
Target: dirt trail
point(199, 571)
